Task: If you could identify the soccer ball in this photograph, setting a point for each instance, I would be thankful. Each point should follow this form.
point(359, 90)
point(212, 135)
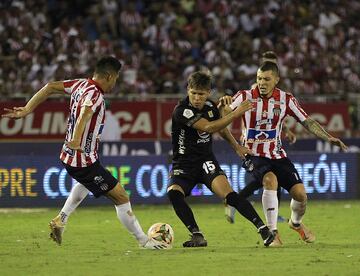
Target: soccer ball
point(163, 233)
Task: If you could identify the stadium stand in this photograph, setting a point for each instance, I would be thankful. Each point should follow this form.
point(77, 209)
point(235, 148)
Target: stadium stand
point(161, 43)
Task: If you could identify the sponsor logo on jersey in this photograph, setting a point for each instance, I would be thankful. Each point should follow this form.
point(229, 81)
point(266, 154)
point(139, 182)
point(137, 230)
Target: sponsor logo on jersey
point(204, 140)
point(98, 179)
point(178, 172)
point(272, 101)
point(188, 113)
point(261, 136)
point(211, 114)
point(181, 141)
point(203, 134)
point(264, 122)
point(104, 186)
point(68, 150)
point(264, 113)
point(205, 137)
point(87, 148)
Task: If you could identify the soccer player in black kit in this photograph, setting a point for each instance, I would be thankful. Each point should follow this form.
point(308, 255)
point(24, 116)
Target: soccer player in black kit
point(193, 121)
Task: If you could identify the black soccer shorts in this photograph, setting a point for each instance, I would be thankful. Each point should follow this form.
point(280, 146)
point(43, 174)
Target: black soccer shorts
point(95, 178)
point(188, 175)
point(283, 168)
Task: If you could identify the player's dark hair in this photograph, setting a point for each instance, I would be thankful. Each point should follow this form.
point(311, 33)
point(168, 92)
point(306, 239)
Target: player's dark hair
point(269, 66)
point(199, 80)
point(269, 55)
point(107, 65)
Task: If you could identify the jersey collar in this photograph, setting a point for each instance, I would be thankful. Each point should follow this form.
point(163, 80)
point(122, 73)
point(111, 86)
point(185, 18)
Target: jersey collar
point(257, 92)
point(96, 84)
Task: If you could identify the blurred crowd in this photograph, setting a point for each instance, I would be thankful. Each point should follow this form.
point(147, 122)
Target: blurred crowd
point(162, 42)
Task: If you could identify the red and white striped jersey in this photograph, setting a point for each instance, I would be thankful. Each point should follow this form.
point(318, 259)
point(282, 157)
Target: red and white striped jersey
point(263, 123)
point(84, 92)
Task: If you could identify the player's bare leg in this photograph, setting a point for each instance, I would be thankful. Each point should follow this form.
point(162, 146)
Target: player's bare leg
point(298, 208)
point(57, 224)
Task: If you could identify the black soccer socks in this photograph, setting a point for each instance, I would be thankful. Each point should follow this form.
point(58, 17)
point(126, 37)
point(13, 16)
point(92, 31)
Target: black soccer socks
point(182, 210)
point(245, 208)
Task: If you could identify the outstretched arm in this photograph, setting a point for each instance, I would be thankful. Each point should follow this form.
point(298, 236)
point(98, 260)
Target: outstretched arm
point(315, 128)
point(223, 122)
point(40, 96)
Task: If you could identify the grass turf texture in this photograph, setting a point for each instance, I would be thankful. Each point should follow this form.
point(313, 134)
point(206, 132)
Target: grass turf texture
point(96, 244)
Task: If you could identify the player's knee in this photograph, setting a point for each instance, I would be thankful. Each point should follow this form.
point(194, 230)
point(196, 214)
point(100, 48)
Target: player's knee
point(233, 198)
point(270, 181)
point(301, 197)
point(298, 193)
point(175, 196)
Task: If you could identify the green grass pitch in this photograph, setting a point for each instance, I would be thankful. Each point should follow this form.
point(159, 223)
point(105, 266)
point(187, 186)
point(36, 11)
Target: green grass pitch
point(95, 243)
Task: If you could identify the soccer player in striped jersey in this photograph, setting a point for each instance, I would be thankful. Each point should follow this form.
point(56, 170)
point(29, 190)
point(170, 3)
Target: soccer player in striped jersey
point(269, 162)
point(252, 184)
point(79, 153)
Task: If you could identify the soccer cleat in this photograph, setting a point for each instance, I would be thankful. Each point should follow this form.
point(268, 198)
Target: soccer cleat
point(277, 241)
point(305, 233)
point(153, 244)
point(230, 213)
point(197, 240)
point(266, 235)
point(57, 229)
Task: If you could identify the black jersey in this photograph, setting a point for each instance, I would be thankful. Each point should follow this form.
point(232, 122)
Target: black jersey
point(189, 144)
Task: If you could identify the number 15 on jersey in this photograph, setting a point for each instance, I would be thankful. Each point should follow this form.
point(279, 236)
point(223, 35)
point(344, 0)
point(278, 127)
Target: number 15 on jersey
point(208, 166)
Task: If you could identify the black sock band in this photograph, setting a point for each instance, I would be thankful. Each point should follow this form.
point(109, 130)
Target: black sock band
point(245, 208)
point(182, 210)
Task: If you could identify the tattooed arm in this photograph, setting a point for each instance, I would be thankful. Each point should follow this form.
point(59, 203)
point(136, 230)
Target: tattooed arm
point(315, 128)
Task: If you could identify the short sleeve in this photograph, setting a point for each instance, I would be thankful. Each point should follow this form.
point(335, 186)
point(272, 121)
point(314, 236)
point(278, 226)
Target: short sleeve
point(68, 85)
point(295, 110)
point(216, 113)
point(92, 99)
point(238, 98)
point(186, 115)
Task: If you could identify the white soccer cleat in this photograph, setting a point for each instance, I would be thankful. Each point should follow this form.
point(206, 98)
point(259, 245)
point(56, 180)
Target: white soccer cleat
point(153, 244)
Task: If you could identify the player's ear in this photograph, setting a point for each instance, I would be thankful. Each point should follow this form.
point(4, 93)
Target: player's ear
point(277, 79)
point(108, 76)
point(188, 88)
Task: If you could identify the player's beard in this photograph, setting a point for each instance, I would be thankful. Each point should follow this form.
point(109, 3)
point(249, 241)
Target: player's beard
point(264, 92)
